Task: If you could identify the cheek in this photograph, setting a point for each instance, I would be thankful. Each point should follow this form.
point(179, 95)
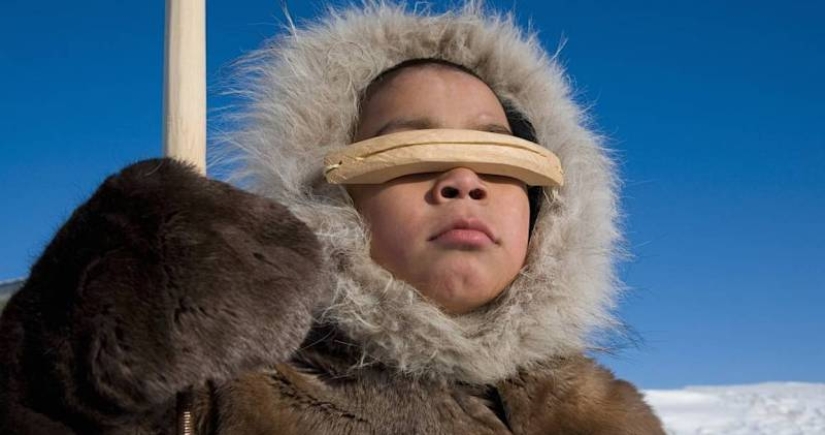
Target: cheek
point(392, 229)
point(517, 223)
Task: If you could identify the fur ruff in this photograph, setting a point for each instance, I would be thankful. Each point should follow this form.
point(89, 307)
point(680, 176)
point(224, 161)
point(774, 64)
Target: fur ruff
point(303, 91)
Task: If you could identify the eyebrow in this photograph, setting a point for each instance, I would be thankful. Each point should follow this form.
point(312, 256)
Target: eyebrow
point(425, 123)
point(405, 124)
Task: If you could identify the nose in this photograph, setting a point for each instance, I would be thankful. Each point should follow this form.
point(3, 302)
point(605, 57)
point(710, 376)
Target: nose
point(459, 183)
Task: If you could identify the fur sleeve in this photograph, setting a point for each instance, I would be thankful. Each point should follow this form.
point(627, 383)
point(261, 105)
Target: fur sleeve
point(162, 280)
point(576, 396)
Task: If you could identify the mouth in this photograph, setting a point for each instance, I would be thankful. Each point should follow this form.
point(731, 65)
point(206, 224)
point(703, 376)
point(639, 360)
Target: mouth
point(465, 232)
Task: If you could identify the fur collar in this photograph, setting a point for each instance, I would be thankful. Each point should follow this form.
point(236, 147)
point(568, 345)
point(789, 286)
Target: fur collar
point(303, 90)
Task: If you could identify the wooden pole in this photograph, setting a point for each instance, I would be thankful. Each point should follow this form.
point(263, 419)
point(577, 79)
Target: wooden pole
point(184, 82)
point(184, 112)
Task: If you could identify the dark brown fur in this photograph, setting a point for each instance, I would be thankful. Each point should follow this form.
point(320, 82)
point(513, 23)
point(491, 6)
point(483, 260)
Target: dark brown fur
point(165, 280)
point(162, 280)
point(319, 393)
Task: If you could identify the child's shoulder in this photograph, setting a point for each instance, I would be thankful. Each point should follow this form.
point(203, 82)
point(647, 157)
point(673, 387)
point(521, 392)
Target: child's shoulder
point(577, 395)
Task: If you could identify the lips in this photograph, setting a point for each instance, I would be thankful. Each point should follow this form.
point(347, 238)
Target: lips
point(470, 232)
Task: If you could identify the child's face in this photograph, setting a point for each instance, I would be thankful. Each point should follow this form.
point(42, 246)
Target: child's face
point(459, 237)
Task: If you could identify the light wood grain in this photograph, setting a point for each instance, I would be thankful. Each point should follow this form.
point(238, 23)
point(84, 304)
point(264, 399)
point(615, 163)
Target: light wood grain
point(383, 158)
point(184, 103)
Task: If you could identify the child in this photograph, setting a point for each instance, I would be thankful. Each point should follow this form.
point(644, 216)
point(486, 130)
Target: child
point(454, 297)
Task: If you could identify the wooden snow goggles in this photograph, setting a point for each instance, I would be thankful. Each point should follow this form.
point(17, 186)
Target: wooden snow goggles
point(383, 158)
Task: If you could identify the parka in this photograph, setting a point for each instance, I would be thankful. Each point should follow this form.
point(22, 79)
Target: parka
point(169, 297)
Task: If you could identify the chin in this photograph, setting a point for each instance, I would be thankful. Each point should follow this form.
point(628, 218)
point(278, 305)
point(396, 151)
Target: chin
point(461, 300)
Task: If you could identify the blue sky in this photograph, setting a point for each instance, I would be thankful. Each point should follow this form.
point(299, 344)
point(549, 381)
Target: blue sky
point(714, 110)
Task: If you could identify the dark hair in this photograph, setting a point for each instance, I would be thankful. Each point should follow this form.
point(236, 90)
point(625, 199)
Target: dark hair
point(520, 126)
point(523, 128)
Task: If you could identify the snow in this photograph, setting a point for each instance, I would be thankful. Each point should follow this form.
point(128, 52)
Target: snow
point(759, 409)
point(7, 288)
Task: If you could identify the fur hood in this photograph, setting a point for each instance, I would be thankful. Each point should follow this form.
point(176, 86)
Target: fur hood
point(303, 91)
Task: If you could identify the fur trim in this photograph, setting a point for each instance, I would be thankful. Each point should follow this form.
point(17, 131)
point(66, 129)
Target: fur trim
point(303, 90)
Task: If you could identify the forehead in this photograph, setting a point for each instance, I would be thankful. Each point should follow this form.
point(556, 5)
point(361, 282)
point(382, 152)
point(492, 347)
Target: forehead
point(421, 74)
point(430, 96)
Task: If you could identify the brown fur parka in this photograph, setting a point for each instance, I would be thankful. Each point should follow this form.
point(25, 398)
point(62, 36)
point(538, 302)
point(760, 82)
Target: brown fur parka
point(266, 308)
point(312, 396)
point(165, 280)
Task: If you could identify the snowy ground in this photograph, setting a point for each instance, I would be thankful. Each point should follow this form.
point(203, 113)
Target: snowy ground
point(760, 409)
